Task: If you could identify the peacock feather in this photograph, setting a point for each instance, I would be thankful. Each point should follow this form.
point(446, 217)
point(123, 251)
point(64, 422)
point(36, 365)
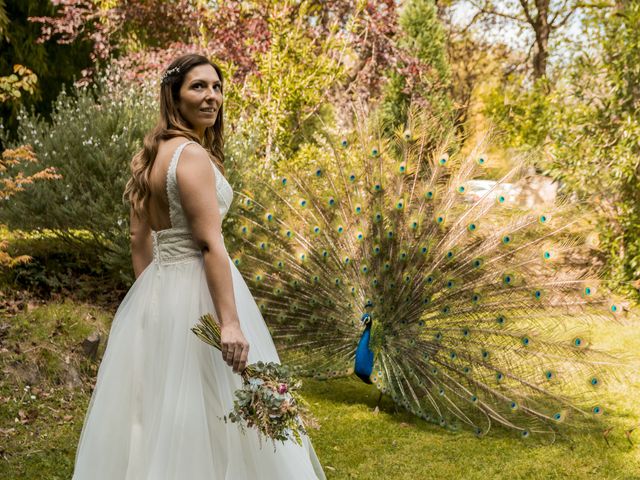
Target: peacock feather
point(465, 310)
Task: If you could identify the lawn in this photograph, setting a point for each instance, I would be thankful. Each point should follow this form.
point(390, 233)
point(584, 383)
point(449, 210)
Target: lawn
point(46, 378)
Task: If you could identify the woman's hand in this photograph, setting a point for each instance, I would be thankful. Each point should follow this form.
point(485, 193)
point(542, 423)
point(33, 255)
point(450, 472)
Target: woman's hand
point(235, 348)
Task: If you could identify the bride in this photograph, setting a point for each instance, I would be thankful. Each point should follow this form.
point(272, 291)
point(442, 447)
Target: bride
point(160, 395)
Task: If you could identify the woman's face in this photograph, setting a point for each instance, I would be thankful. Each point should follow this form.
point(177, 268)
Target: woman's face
point(200, 97)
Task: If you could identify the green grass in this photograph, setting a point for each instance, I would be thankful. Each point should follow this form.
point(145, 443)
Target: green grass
point(356, 443)
point(41, 349)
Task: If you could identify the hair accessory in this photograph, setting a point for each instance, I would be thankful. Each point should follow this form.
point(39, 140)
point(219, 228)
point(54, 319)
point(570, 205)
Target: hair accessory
point(169, 73)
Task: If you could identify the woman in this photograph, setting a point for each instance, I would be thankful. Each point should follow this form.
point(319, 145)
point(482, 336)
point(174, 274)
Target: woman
point(157, 407)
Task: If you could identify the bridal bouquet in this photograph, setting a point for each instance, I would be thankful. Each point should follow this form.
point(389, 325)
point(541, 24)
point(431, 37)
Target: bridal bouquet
point(268, 399)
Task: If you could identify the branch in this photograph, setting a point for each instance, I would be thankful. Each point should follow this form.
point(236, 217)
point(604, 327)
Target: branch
point(524, 64)
point(473, 20)
point(526, 61)
point(492, 11)
point(525, 8)
point(603, 4)
point(565, 19)
point(552, 21)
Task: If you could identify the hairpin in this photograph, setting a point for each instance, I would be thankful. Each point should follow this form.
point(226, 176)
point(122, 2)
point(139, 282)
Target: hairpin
point(169, 73)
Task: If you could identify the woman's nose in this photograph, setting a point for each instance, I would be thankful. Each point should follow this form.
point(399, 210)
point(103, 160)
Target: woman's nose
point(212, 94)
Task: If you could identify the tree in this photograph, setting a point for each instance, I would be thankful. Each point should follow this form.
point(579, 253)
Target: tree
point(54, 65)
point(421, 38)
point(593, 147)
point(144, 34)
point(586, 128)
point(540, 18)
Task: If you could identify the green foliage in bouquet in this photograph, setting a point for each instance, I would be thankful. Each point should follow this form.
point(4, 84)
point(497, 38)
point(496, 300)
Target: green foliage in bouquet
point(268, 399)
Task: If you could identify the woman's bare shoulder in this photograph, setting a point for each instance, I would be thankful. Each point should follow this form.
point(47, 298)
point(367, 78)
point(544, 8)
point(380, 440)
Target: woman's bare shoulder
point(194, 174)
point(169, 145)
point(194, 157)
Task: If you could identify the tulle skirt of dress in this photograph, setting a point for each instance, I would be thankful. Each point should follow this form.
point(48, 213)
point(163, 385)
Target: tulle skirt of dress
point(156, 411)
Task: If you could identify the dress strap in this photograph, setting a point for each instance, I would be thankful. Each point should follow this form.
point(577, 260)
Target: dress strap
point(175, 208)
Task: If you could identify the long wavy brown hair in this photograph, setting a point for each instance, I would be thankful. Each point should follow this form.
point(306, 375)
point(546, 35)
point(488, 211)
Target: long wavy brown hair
point(172, 124)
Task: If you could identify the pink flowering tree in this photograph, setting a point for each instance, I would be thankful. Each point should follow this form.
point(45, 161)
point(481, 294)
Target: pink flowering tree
point(144, 36)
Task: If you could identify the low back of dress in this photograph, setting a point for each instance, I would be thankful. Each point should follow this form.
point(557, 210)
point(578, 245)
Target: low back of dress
point(175, 244)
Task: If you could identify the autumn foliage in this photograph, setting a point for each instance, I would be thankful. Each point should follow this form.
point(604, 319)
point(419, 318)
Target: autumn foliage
point(15, 160)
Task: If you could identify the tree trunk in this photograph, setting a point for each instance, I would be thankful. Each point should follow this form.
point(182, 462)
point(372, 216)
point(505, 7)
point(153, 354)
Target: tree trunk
point(542, 31)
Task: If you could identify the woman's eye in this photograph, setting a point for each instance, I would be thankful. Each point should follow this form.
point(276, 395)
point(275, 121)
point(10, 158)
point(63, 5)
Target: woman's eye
point(200, 85)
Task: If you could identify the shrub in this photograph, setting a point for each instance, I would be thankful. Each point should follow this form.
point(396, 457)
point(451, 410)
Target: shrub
point(13, 180)
point(90, 140)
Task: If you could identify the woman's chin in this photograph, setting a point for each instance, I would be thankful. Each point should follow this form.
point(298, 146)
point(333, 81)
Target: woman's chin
point(208, 124)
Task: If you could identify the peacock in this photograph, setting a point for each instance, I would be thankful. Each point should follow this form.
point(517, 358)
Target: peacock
point(381, 259)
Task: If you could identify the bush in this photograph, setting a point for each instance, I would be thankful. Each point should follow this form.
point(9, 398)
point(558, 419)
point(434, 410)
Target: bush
point(58, 268)
point(13, 180)
point(90, 141)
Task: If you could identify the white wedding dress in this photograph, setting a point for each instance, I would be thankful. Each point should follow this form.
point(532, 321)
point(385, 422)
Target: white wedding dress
point(157, 407)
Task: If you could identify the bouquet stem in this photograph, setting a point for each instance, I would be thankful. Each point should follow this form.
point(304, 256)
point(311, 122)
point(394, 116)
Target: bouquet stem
point(209, 332)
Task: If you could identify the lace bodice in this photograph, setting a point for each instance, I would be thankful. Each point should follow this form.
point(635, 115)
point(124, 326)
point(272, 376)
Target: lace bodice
point(175, 244)
point(224, 192)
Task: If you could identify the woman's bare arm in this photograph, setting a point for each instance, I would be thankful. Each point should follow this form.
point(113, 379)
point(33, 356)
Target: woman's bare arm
point(141, 244)
point(197, 188)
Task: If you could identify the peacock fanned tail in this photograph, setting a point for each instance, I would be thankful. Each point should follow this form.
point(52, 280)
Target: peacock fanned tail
point(465, 309)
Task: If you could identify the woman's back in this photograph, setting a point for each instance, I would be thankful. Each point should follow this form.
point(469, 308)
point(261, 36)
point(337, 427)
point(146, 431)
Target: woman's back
point(158, 207)
point(165, 208)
